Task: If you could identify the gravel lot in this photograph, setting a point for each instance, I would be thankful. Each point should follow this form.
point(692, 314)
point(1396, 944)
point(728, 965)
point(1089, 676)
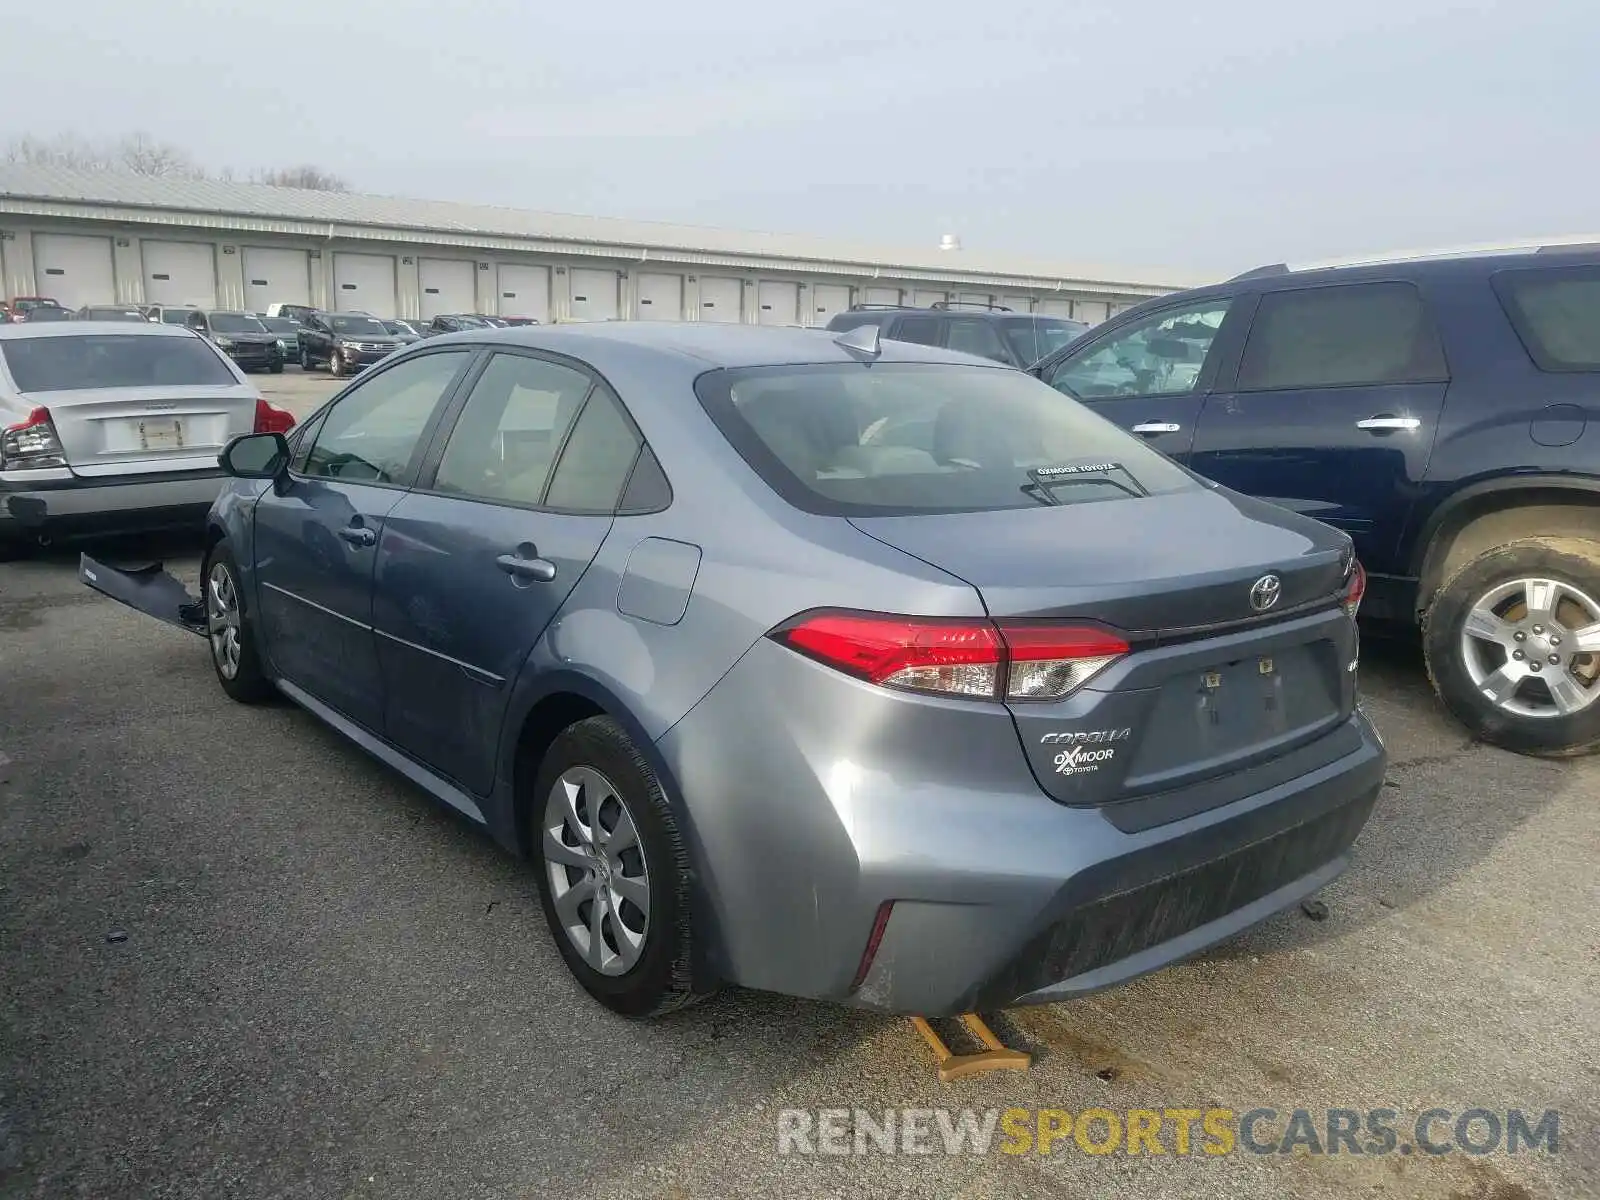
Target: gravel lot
point(328, 986)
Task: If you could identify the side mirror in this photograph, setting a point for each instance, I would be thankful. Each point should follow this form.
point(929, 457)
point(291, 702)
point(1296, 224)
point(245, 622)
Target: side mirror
point(255, 456)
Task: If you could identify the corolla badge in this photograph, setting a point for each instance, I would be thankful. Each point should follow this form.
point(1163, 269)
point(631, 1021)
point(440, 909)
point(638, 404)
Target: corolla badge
point(1264, 592)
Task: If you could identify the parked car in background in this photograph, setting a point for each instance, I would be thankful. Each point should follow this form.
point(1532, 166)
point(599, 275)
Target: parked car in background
point(287, 331)
point(417, 329)
point(241, 337)
point(454, 323)
point(294, 312)
point(109, 312)
point(515, 322)
point(19, 307)
point(344, 342)
point(45, 312)
point(989, 331)
point(1442, 410)
point(847, 669)
point(170, 314)
point(108, 426)
point(402, 332)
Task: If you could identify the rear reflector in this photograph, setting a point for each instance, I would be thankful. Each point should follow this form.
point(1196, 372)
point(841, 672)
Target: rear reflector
point(272, 419)
point(956, 657)
point(1356, 589)
point(879, 924)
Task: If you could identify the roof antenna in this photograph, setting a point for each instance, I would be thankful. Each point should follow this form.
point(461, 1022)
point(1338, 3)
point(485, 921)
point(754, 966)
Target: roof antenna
point(863, 339)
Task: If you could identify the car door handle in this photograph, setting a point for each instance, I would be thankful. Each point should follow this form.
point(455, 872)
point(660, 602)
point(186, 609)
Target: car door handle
point(1385, 423)
point(1157, 427)
point(527, 567)
point(358, 535)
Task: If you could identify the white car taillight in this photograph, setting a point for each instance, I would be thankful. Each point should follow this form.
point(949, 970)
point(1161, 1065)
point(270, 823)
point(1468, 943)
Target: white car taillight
point(31, 443)
point(987, 660)
point(1355, 589)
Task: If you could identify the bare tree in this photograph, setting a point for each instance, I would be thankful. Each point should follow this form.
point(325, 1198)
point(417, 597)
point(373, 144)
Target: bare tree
point(137, 153)
point(141, 154)
point(311, 178)
point(63, 150)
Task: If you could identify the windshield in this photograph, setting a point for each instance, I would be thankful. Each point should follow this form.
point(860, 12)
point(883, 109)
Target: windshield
point(1034, 339)
point(358, 326)
point(112, 314)
point(235, 323)
point(109, 360)
point(279, 325)
point(396, 328)
point(46, 312)
point(862, 440)
point(175, 316)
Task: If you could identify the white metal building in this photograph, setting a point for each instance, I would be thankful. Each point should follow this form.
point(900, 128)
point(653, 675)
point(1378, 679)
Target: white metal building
point(89, 237)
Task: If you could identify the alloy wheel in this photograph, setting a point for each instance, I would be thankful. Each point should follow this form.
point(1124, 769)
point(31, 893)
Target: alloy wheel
point(222, 620)
point(1532, 647)
point(599, 880)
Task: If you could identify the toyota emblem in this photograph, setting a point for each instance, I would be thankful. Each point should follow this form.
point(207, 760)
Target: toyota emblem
point(1264, 592)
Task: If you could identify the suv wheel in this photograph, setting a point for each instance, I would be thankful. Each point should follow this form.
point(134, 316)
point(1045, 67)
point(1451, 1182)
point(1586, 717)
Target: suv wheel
point(335, 364)
point(1513, 646)
point(613, 871)
point(305, 359)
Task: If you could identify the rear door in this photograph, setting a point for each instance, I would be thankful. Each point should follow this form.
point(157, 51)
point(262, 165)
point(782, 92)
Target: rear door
point(316, 536)
point(1151, 376)
point(1334, 410)
point(474, 564)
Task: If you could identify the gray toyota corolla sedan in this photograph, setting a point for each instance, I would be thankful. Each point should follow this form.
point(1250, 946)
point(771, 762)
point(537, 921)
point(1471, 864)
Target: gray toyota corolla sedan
point(866, 672)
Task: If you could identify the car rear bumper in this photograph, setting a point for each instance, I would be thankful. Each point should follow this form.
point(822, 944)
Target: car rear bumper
point(812, 804)
point(31, 508)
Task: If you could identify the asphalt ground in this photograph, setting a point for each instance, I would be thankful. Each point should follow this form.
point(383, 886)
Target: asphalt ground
point(237, 958)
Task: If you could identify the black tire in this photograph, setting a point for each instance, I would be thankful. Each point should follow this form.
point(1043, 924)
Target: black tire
point(335, 365)
point(1572, 562)
point(277, 367)
point(248, 684)
point(662, 979)
point(305, 359)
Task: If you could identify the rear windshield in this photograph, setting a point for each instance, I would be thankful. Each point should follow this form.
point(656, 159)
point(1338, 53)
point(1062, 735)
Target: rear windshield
point(1034, 339)
point(904, 438)
point(63, 364)
point(235, 323)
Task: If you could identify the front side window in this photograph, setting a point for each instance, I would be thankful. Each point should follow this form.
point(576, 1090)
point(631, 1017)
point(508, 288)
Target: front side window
point(98, 360)
point(1035, 338)
point(1346, 336)
point(1556, 313)
point(971, 336)
point(1163, 355)
point(511, 429)
point(371, 434)
point(875, 439)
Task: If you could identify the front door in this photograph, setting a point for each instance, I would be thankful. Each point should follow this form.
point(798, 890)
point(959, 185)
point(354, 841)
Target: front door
point(316, 535)
point(1149, 376)
point(475, 563)
point(1334, 410)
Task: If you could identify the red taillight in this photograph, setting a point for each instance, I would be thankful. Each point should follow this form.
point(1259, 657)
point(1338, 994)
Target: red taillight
point(31, 443)
point(36, 418)
point(956, 657)
point(272, 419)
point(1356, 589)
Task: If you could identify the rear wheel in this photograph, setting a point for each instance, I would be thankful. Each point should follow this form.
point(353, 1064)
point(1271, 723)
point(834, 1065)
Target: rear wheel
point(1513, 645)
point(613, 872)
point(232, 639)
point(305, 359)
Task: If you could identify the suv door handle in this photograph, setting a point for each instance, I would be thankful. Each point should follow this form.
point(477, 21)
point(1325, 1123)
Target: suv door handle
point(1385, 423)
point(1157, 427)
point(358, 535)
point(525, 566)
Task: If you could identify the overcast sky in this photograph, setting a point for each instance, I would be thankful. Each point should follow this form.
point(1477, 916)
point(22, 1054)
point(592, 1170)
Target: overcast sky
point(1201, 136)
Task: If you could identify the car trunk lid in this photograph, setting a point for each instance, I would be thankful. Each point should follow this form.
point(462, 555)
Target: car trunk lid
point(132, 430)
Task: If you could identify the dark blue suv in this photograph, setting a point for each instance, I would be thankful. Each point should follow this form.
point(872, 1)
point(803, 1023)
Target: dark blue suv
point(1442, 410)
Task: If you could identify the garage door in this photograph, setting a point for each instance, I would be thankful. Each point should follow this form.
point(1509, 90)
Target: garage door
point(660, 297)
point(826, 300)
point(978, 299)
point(275, 277)
point(594, 295)
point(364, 283)
point(882, 295)
point(1090, 311)
point(721, 300)
point(1055, 308)
point(74, 270)
point(179, 272)
point(1015, 303)
point(777, 303)
point(447, 285)
point(926, 299)
point(524, 291)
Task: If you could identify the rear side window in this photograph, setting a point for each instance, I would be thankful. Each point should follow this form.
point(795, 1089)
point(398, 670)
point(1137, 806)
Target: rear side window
point(1556, 313)
point(1369, 333)
point(972, 336)
point(924, 331)
point(877, 439)
point(64, 364)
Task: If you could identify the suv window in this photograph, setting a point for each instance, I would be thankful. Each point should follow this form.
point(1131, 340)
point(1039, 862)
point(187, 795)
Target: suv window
point(1365, 333)
point(511, 428)
point(1163, 355)
point(370, 435)
point(924, 331)
point(1556, 313)
point(974, 336)
point(909, 438)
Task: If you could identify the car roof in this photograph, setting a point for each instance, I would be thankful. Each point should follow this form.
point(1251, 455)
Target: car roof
point(704, 343)
point(80, 328)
